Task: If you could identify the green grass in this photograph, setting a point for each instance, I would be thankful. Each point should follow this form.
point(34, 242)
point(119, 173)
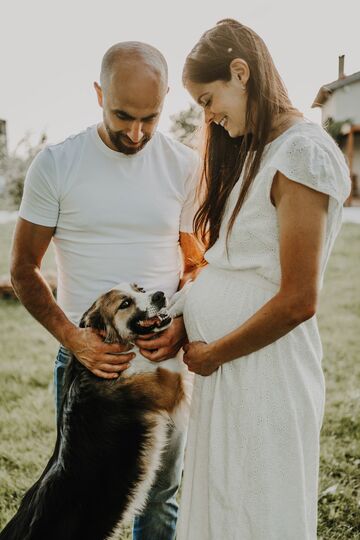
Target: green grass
point(6, 232)
point(27, 411)
point(339, 321)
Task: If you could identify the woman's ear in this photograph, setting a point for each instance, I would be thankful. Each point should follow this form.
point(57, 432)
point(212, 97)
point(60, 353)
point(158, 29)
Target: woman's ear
point(240, 70)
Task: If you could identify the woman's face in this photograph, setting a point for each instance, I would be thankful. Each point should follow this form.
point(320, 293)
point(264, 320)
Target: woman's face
point(224, 102)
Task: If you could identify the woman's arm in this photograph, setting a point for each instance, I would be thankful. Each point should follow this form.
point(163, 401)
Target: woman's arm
point(302, 214)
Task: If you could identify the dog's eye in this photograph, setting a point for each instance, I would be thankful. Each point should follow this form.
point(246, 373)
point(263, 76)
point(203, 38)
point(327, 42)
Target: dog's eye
point(125, 304)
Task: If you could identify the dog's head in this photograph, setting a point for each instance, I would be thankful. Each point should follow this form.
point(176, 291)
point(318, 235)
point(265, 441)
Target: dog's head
point(128, 311)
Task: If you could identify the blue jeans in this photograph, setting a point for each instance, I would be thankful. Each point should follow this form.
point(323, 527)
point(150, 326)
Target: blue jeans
point(158, 519)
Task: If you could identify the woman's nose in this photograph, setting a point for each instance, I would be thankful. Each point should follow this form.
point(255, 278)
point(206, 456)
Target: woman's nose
point(209, 116)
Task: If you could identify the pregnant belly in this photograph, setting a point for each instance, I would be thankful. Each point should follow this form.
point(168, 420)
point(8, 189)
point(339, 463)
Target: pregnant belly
point(221, 300)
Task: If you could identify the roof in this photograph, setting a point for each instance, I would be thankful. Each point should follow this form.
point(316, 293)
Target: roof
point(326, 90)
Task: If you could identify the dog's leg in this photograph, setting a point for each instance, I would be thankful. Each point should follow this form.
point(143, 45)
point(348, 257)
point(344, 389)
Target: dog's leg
point(177, 301)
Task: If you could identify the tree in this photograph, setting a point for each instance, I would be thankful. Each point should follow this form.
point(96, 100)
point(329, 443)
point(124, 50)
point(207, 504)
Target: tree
point(186, 124)
point(15, 166)
point(338, 129)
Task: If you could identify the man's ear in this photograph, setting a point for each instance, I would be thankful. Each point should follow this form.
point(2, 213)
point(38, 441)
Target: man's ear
point(93, 318)
point(99, 93)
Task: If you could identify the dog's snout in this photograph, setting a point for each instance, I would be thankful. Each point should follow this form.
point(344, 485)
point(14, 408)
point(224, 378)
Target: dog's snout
point(158, 299)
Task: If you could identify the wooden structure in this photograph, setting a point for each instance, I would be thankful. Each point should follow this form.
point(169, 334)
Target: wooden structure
point(349, 151)
point(340, 104)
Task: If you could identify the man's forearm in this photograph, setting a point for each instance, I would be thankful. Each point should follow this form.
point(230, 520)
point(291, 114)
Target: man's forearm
point(35, 294)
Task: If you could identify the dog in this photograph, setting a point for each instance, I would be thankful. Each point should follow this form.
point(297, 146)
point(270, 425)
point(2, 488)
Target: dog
point(111, 432)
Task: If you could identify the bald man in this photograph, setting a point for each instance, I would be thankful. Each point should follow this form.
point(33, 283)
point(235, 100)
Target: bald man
point(118, 202)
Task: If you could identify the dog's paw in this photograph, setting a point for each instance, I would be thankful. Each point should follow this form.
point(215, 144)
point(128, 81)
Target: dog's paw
point(177, 301)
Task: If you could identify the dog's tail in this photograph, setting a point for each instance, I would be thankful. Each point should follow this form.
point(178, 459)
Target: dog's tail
point(40, 511)
point(20, 526)
point(24, 522)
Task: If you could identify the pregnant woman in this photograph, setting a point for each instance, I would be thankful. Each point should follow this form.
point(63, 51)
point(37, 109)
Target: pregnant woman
point(273, 188)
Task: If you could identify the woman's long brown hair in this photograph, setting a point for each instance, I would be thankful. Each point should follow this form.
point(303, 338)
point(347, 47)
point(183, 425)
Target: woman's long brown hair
point(226, 157)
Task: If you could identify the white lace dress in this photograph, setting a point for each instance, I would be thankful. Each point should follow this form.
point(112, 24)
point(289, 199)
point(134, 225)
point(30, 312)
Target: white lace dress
point(251, 464)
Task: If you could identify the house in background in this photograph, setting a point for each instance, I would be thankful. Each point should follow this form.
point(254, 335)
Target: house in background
point(340, 114)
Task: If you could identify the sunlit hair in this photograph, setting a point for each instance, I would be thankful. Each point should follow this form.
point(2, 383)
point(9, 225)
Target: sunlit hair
point(226, 157)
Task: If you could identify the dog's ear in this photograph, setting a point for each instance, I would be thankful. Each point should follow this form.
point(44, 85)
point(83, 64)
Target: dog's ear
point(92, 317)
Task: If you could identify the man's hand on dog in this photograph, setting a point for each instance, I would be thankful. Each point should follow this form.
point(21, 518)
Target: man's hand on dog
point(102, 359)
point(161, 346)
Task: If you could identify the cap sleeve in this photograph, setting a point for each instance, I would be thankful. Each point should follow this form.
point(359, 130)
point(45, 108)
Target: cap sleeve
point(40, 201)
point(321, 167)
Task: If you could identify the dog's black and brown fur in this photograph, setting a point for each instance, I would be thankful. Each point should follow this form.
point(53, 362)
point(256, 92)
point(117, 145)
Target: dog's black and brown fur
point(110, 437)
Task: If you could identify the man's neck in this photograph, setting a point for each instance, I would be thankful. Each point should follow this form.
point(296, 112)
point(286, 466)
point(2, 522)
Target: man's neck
point(103, 134)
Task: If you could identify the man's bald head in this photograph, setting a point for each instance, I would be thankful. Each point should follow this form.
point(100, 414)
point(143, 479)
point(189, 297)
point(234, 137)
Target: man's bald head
point(128, 56)
point(134, 83)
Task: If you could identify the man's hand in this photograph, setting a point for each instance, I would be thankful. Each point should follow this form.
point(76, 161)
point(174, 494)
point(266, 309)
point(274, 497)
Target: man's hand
point(102, 359)
point(161, 346)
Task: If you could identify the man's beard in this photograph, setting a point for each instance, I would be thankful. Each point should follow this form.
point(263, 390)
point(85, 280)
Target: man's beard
point(123, 144)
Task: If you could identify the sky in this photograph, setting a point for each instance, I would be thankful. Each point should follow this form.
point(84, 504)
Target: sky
point(50, 52)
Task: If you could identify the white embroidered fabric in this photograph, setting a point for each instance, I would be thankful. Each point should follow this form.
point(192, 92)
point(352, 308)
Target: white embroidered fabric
point(251, 463)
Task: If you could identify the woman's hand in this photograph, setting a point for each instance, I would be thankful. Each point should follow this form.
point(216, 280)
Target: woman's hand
point(200, 358)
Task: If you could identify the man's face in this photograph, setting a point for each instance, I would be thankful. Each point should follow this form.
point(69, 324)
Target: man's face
point(132, 102)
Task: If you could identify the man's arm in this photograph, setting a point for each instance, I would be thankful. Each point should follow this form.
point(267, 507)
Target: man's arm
point(30, 243)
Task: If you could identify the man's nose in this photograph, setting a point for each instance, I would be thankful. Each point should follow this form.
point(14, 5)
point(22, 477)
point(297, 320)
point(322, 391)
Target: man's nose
point(136, 132)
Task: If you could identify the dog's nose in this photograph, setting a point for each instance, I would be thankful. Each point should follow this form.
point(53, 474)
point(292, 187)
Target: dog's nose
point(158, 298)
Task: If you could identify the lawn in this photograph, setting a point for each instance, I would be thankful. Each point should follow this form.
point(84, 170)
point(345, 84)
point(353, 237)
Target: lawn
point(27, 417)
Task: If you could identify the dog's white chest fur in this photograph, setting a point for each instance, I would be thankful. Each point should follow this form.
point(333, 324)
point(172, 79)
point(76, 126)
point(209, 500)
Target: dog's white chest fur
point(140, 364)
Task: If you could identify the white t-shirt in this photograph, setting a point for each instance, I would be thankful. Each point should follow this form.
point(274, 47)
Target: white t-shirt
point(117, 216)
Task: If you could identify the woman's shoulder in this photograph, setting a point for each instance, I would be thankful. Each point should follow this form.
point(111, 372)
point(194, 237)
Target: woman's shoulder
point(306, 134)
point(307, 154)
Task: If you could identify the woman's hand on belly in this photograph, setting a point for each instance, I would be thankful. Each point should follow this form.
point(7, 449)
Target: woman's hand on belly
point(199, 358)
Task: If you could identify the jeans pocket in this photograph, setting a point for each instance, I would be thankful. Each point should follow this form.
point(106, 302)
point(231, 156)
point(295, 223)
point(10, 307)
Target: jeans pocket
point(63, 356)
